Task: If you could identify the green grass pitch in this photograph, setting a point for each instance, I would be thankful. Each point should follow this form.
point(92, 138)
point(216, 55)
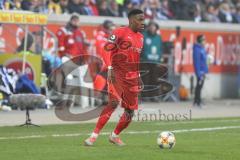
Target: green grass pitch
point(64, 142)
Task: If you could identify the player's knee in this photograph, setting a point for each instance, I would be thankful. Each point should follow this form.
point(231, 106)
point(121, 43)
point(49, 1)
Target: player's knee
point(129, 112)
point(114, 104)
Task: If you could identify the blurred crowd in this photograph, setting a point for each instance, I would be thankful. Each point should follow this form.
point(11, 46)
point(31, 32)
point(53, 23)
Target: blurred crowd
point(226, 11)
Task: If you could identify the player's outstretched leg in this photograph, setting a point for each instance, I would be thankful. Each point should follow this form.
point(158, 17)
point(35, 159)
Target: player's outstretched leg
point(123, 123)
point(103, 119)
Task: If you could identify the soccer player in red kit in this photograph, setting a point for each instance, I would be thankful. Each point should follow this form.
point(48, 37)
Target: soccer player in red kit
point(124, 82)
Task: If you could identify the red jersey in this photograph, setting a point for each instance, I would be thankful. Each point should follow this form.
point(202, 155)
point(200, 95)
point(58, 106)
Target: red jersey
point(70, 42)
point(126, 47)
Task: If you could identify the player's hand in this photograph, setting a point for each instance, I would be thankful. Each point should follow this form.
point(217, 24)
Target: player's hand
point(111, 76)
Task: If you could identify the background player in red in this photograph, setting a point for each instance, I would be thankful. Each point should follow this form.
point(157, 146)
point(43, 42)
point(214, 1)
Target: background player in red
point(101, 37)
point(71, 40)
point(125, 45)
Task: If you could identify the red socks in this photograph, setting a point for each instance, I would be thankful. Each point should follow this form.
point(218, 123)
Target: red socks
point(106, 114)
point(104, 117)
point(123, 123)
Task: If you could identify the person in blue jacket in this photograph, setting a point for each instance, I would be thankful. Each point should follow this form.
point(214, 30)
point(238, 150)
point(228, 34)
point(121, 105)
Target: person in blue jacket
point(200, 67)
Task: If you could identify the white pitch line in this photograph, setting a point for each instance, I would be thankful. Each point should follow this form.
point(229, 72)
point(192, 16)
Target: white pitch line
point(128, 132)
point(205, 129)
point(191, 122)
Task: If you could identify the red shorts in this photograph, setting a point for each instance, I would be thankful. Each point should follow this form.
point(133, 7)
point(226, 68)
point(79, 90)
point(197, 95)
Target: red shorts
point(118, 92)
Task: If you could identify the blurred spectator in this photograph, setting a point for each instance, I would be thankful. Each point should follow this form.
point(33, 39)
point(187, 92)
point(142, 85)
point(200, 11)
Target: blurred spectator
point(152, 43)
point(93, 5)
point(34, 6)
point(71, 40)
point(200, 67)
point(103, 8)
point(90, 8)
point(38, 39)
point(113, 8)
point(197, 14)
point(211, 14)
point(165, 9)
point(136, 5)
point(127, 6)
point(151, 8)
point(29, 44)
point(152, 53)
point(64, 6)
point(11, 4)
point(77, 6)
point(179, 9)
point(237, 15)
point(26, 4)
point(185, 10)
point(47, 63)
point(54, 7)
point(1, 5)
point(225, 14)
